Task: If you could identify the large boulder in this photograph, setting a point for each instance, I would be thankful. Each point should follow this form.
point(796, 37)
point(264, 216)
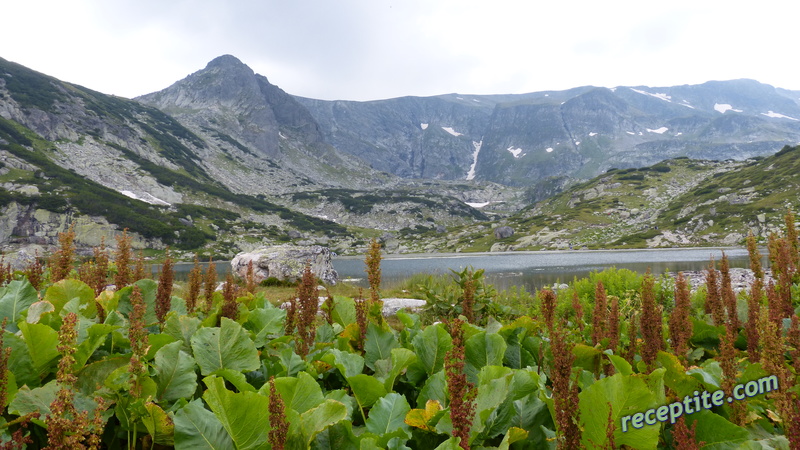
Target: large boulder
point(503, 232)
point(286, 262)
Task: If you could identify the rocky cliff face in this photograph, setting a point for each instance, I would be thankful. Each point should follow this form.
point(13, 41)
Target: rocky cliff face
point(579, 133)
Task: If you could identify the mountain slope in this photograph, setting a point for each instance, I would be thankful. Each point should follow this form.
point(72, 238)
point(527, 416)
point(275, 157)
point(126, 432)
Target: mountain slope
point(579, 133)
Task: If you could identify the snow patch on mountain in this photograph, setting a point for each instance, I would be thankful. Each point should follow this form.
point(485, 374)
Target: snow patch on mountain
point(516, 152)
point(471, 172)
point(146, 197)
point(424, 126)
point(775, 115)
point(658, 130)
point(722, 107)
point(664, 97)
point(451, 131)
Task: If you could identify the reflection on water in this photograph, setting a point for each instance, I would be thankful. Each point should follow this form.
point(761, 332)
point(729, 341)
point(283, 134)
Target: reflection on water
point(533, 270)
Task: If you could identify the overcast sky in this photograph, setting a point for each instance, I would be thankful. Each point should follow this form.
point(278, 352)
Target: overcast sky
point(372, 49)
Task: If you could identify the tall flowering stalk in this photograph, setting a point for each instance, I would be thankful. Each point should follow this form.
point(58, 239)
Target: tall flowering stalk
point(230, 307)
point(754, 300)
point(362, 311)
point(728, 296)
point(63, 259)
point(34, 272)
point(600, 314)
point(137, 335)
point(791, 236)
point(613, 325)
point(6, 273)
point(547, 299)
point(250, 278)
point(122, 259)
point(652, 333)
point(309, 305)
point(66, 427)
point(164, 292)
point(462, 393)
point(279, 427)
point(713, 304)
point(727, 361)
point(195, 279)
point(683, 436)
point(373, 263)
point(680, 324)
point(565, 393)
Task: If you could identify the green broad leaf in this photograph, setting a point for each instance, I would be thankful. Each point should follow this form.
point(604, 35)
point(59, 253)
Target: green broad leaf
point(182, 328)
point(587, 357)
point(175, 373)
point(237, 379)
point(344, 310)
point(531, 413)
point(155, 341)
point(483, 349)
point(348, 364)
point(11, 389)
point(337, 437)
point(525, 382)
point(16, 297)
point(705, 335)
point(515, 354)
point(39, 399)
point(715, 431)
point(68, 290)
point(226, 347)
point(20, 361)
point(431, 346)
point(148, 288)
point(378, 344)
point(264, 324)
point(299, 393)
point(159, 425)
point(366, 389)
point(198, 428)
point(401, 359)
point(39, 309)
point(493, 389)
point(388, 414)
point(34, 400)
point(514, 434)
point(675, 377)
point(435, 388)
point(291, 362)
point(243, 415)
point(453, 443)
point(95, 374)
point(342, 396)
point(313, 422)
point(627, 395)
point(96, 336)
point(710, 374)
point(42, 343)
point(622, 366)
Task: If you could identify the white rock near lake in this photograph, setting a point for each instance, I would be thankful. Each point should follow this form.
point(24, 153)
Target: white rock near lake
point(286, 262)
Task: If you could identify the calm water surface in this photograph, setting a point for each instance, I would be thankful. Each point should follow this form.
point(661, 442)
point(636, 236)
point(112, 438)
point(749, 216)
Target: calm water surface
point(534, 270)
point(531, 270)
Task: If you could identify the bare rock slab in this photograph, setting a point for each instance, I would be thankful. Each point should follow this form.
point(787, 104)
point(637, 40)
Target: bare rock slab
point(286, 262)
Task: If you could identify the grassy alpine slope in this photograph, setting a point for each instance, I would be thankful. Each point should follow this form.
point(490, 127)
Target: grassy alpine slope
point(154, 366)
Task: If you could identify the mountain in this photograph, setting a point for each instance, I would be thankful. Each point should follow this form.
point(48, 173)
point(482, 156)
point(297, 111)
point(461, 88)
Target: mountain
point(676, 203)
point(579, 133)
point(224, 161)
point(219, 175)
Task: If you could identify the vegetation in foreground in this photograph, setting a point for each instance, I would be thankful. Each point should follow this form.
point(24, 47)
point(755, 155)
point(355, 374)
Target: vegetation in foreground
point(141, 367)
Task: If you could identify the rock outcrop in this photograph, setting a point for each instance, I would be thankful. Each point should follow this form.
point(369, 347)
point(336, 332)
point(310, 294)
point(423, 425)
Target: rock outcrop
point(286, 262)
